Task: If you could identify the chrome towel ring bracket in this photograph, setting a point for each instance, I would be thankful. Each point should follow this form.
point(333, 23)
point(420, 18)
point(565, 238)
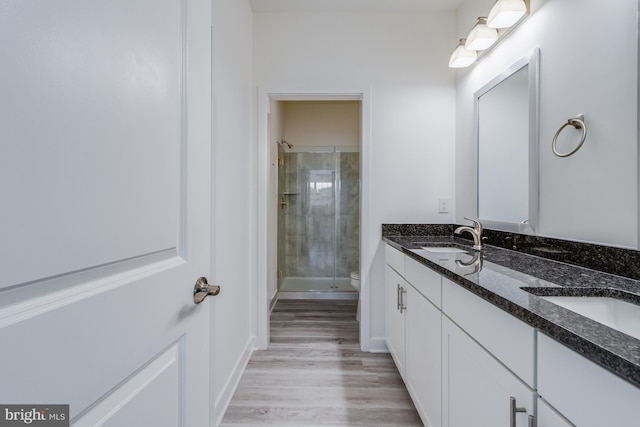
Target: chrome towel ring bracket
point(578, 123)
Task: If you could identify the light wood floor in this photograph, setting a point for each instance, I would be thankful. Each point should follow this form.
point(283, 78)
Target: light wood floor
point(314, 374)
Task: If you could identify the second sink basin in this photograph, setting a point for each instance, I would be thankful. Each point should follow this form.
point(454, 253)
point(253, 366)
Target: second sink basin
point(614, 313)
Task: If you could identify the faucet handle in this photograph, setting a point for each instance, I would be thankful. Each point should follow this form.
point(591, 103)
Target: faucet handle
point(476, 224)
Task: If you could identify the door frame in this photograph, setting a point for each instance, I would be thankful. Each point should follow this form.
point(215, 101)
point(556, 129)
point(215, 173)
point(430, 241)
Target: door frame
point(367, 247)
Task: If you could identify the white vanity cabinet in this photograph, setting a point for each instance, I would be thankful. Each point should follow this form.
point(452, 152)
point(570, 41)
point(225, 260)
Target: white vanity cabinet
point(463, 359)
point(413, 328)
point(488, 363)
point(583, 392)
point(468, 363)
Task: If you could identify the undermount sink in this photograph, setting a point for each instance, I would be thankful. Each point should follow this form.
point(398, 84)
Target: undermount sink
point(614, 313)
point(444, 249)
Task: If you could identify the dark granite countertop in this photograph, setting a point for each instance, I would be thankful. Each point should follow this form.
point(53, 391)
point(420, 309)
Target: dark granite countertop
point(513, 280)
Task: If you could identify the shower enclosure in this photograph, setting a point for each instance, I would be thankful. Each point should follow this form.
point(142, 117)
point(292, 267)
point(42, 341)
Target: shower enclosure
point(318, 219)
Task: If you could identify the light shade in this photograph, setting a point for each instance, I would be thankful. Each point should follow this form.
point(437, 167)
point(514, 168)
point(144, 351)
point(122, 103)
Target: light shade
point(505, 13)
point(462, 57)
point(481, 37)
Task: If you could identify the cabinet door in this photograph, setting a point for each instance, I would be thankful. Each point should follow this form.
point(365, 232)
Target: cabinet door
point(395, 318)
point(476, 387)
point(547, 417)
point(424, 357)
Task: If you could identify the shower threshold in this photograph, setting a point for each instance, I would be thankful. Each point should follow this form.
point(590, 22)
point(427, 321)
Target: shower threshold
point(316, 288)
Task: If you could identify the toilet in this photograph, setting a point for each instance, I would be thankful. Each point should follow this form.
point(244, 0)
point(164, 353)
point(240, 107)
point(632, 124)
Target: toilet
point(355, 282)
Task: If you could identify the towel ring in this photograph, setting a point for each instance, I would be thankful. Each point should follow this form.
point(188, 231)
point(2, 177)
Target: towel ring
point(577, 123)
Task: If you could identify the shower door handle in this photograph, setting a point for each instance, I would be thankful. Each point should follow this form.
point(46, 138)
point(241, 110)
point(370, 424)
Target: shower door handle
point(283, 203)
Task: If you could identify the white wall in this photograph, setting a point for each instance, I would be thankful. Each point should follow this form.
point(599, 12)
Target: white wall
point(588, 65)
point(322, 123)
point(234, 196)
point(401, 60)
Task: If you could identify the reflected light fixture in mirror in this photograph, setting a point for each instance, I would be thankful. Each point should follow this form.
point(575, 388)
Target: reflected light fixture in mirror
point(462, 57)
point(481, 37)
point(505, 13)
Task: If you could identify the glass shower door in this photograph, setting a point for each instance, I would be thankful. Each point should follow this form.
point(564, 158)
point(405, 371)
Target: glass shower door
point(307, 238)
point(319, 219)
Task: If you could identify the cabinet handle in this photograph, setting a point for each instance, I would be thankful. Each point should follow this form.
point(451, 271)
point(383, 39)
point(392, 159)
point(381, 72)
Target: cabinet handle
point(514, 410)
point(402, 293)
point(532, 421)
point(398, 297)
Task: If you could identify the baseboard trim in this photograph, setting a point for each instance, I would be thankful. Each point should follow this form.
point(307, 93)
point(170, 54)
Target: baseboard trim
point(223, 401)
point(375, 345)
point(273, 302)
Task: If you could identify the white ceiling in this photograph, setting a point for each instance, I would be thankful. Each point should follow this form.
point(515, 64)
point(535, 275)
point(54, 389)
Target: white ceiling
point(353, 5)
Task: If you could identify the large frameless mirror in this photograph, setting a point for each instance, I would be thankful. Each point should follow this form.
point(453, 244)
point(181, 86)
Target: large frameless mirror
point(507, 136)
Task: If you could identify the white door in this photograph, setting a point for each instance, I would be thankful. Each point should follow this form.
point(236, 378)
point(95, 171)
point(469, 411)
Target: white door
point(105, 124)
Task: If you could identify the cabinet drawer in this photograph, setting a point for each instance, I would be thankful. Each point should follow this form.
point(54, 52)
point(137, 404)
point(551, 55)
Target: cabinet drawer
point(585, 393)
point(509, 340)
point(425, 280)
point(395, 259)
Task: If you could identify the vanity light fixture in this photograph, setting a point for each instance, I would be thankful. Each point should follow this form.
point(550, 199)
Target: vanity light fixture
point(505, 13)
point(461, 56)
point(504, 16)
point(481, 37)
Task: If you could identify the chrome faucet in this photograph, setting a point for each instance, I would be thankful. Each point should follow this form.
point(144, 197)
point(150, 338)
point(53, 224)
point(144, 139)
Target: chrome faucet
point(476, 232)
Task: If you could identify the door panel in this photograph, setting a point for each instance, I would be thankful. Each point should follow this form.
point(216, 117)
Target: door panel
point(93, 91)
point(105, 219)
point(157, 385)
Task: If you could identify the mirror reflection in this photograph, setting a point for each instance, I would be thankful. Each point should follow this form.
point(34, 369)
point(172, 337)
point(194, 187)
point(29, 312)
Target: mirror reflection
point(507, 167)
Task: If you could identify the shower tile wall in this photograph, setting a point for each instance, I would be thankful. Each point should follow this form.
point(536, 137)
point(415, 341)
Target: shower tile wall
point(348, 220)
point(318, 233)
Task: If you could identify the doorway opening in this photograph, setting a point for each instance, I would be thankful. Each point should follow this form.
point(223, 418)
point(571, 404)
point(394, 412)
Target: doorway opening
point(276, 143)
point(318, 199)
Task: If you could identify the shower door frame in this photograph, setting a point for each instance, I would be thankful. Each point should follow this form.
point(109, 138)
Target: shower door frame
point(335, 291)
point(367, 247)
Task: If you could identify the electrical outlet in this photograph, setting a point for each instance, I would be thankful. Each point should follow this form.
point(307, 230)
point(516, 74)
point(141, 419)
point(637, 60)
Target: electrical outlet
point(443, 205)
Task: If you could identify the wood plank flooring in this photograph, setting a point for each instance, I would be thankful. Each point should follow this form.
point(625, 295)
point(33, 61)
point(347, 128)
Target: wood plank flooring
point(314, 374)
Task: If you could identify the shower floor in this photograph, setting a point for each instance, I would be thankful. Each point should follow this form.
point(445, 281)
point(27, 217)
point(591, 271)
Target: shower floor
point(316, 287)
